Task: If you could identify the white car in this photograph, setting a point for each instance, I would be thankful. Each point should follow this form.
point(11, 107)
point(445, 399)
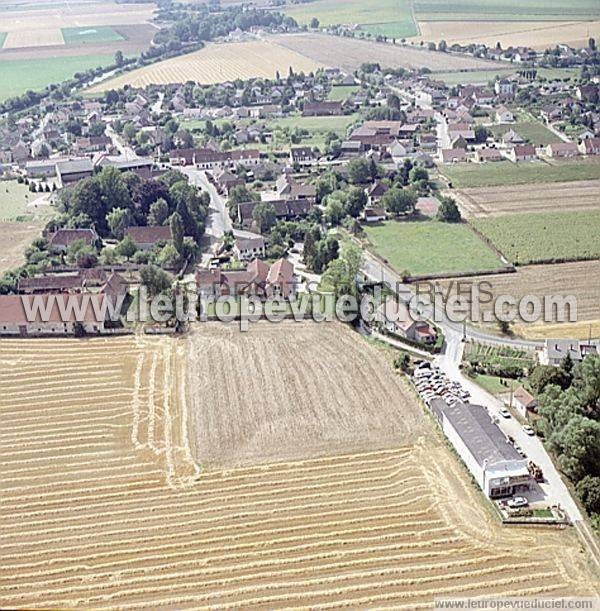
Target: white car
point(529, 430)
point(505, 413)
point(517, 502)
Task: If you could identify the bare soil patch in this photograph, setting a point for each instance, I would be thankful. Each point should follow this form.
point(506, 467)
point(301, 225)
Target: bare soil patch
point(290, 391)
point(14, 239)
point(20, 39)
point(551, 197)
point(578, 279)
point(102, 507)
point(349, 53)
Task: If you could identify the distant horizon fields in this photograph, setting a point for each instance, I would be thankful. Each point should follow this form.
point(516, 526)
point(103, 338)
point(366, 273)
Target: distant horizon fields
point(434, 20)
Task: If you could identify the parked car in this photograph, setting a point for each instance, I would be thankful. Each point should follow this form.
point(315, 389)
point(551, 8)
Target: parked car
point(517, 502)
point(505, 413)
point(529, 430)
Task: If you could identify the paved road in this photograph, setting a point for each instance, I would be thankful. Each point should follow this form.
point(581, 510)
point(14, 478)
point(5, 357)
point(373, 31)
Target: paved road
point(120, 144)
point(218, 221)
point(554, 490)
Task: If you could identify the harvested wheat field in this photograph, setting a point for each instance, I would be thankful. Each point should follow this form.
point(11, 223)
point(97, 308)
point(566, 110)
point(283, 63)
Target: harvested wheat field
point(216, 63)
point(578, 279)
point(350, 53)
point(536, 34)
point(14, 240)
point(20, 39)
point(335, 396)
point(550, 197)
point(103, 506)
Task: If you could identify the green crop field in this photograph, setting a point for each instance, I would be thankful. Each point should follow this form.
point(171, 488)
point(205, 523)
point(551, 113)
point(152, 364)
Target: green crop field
point(90, 35)
point(20, 75)
point(392, 18)
point(531, 131)
point(535, 237)
point(317, 128)
point(507, 173)
point(479, 77)
point(340, 93)
point(506, 10)
point(431, 247)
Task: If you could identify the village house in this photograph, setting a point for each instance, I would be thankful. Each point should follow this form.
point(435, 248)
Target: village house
point(562, 149)
point(511, 138)
point(453, 155)
point(523, 402)
point(249, 247)
point(521, 152)
point(504, 87)
point(374, 214)
point(590, 146)
point(210, 159)
point(395, 317)
point(145, 238)
point(63, 238)
point(92, 144)
point(375, 192)
point(285, 210)
point(504, 115)
point(322, 109)
point(302, 155)
point(555, 351)
point(288, 188)
point(258, 279)
point(226, 181)
point(488, 154)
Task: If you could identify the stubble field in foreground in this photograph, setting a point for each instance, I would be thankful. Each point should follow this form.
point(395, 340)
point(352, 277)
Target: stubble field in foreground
point(292, 391)
point(102, 505)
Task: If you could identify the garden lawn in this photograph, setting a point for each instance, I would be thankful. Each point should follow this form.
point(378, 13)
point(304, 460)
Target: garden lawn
point(342, 92)
point(20, 75)
point(531, 131)
point(536, 237)
point(13, 201)
point(431, 247)
point(90, 35)
point(492, 384)
point(317, 128)
point(501, 173)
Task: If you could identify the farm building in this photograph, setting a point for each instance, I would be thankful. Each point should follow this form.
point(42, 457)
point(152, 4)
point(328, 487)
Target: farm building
point(146, 237)
point(322, 109)
point(453, 155)
point(488, 154)
point(504, 115)
point(497, 467)
point(285, 209)
point(374, 214)
point(63, 238)
point(74, 170)
point(590, 146)
point(18, 315)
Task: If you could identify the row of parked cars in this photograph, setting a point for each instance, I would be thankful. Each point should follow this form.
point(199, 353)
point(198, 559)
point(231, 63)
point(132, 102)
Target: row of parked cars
point(431, 383)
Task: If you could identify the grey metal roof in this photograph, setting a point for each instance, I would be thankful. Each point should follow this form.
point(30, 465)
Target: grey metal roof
point(483, 438)
point(75, 166)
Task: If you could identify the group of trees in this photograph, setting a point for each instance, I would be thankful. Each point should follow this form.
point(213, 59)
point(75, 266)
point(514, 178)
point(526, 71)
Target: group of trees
point(569, 407)
point(319, 250)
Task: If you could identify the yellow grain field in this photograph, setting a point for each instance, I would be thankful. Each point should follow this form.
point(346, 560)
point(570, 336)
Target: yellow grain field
point(535, 34)
point(216, 63)
point(103, 507)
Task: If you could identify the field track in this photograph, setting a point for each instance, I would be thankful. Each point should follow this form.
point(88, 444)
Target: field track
point(103, 507)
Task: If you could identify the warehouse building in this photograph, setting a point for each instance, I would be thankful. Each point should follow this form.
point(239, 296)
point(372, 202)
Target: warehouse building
point(498, 468)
